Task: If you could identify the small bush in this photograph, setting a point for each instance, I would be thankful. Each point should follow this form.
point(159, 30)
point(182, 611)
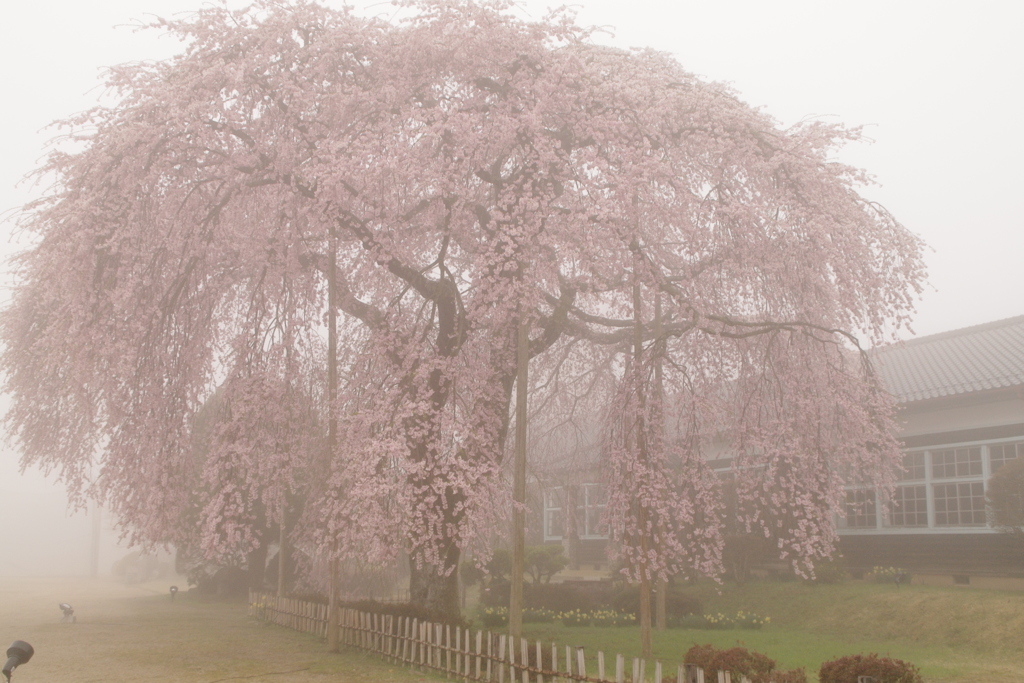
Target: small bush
point(740, 661)
point(883, 669)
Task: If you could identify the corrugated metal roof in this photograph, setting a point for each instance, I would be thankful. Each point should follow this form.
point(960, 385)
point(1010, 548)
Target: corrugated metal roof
point(989, 356)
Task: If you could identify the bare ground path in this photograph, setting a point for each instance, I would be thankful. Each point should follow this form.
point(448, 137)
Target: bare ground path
point(134, 633)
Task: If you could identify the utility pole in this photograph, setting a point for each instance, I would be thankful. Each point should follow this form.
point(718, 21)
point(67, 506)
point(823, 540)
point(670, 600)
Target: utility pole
point(661, 594)
point(515, 610)
point(280, 552)
point(332, 430)
point(646, 644)
point(97, 528)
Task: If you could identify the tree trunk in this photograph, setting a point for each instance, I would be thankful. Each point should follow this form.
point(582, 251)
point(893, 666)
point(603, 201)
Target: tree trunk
point(660, 620)
point(430, 589)
point(256, 565)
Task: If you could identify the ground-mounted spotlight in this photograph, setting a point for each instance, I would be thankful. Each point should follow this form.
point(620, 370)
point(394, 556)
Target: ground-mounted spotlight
point(17, 654)
point(174, 592)
point(69, 613)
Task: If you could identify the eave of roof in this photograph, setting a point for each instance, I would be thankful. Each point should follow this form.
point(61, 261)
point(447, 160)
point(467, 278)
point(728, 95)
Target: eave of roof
point(958, 362)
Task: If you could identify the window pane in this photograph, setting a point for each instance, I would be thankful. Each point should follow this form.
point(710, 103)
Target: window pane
point(555, 526)
point(554, 498)
point(961, 504)
point(595, 521)
point(913, 464)
point(1000, 454)
point(909, 506)
point(956, 462)
point(860, 509)
point(596, 495)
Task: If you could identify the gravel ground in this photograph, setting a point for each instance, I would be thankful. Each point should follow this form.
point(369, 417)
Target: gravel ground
point(134, 633)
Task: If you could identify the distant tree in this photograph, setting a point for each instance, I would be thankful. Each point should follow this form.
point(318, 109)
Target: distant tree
point(460, 171)
point(544, 561)
point(1006, 499)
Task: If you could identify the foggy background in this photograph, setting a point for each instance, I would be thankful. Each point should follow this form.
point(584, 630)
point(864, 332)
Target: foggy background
point(937, 86)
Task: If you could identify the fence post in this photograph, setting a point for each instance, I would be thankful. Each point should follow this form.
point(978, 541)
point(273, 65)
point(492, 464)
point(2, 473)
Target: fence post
point(440, 645)
point(636, 670)
point(540, 664)
point(479, 649)
point(581, 662)
point(657, 672)
point(600, 664)
point(524, 658)
point(501, 659)
point(413, 630)
point(430, 645)
point(490, 657)
point(406, 638)
point(429, 640)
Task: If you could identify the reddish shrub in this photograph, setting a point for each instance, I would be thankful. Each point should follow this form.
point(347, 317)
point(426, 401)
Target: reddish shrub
point(741, 662)
point(884, 669)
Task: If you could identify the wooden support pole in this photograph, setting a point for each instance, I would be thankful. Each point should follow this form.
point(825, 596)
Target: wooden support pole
point(524, 658)
point(515, 608)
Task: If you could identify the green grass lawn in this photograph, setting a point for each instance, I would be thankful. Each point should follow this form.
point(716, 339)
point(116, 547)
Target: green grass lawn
point(952, 635)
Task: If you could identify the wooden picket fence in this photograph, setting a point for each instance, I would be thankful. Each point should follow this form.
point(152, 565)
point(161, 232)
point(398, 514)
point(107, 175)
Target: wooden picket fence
point(465, 654)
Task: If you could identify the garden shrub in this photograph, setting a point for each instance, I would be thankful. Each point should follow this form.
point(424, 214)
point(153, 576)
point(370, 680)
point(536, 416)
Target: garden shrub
point(883, 669)
point(740, 661)
point(544, 561)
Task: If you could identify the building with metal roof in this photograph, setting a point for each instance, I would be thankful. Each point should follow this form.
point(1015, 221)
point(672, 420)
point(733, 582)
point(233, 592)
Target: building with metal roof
point(961, 397)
